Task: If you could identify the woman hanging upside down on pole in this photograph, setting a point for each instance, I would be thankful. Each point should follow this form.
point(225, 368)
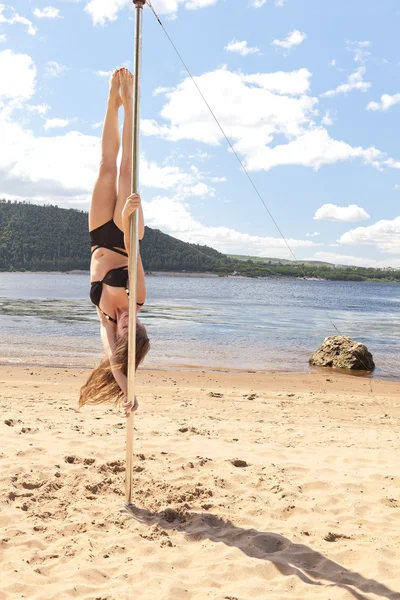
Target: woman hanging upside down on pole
point(109, 216)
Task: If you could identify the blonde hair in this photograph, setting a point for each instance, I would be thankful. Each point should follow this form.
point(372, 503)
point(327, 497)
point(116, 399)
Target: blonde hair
point(101, 385)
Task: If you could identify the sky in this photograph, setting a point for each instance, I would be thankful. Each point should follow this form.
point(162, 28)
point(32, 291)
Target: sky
point(308, 92)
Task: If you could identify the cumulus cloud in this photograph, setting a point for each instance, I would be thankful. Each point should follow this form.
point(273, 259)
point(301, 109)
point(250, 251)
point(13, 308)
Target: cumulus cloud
point(280, 107)
point(14, 17)
point(385, 103)
point(39, 109)
point(384, 234)
point(355, 81)
point(17, 76)
point(241, 48)
point(314, 234)
point(294, 38)
point(327, 119)
point(55, 123)
point(183, 184)
point(331, 212)
point(174, 217)
point(293, 83)
point(49, 12)
point(103, 11)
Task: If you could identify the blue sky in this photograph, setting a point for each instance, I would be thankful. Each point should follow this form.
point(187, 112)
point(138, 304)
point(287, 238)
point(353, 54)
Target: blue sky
point(307, 91)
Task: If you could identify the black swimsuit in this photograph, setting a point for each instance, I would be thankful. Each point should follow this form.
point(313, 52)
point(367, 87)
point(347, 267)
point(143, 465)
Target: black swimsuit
point(111, 237)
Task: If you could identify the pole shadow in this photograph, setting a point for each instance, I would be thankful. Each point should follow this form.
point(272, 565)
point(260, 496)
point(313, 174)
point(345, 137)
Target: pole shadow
point(307, 564)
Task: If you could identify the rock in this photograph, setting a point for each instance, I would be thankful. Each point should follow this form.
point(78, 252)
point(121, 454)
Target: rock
point(342, 352)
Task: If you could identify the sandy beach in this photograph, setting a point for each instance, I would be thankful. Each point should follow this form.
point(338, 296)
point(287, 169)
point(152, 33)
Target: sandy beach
point(246, 486)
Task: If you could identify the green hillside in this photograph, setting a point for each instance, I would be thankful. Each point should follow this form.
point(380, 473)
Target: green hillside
point(49, 238)
point(275, 261)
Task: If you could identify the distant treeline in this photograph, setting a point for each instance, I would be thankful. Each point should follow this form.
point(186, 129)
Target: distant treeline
point(49, 238)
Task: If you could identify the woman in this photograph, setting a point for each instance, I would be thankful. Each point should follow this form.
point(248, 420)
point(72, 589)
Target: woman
point(110, 211)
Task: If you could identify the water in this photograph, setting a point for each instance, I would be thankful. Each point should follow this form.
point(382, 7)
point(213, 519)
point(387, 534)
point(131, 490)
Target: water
point(253, 324)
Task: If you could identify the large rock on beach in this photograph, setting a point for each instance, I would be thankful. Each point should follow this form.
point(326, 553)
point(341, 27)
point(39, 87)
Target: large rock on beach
point(342, 352)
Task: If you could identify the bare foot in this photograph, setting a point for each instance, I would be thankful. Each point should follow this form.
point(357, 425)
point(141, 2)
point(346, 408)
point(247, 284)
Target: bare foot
point(126, 86)
point(114, 94)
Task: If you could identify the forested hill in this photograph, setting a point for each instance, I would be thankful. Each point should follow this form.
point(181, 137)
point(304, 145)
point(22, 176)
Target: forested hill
point(48, 238)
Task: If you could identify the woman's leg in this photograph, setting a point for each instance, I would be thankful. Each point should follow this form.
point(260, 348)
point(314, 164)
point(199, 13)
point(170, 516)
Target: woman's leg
point(104, 194)
point(125, 170)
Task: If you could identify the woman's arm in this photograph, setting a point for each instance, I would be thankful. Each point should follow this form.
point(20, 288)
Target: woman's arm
point(134, 203)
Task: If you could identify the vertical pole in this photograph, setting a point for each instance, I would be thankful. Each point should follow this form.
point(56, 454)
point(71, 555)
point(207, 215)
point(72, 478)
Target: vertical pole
point(134, 247)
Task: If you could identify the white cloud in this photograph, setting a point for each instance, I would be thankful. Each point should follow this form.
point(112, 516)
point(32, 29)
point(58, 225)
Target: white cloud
point(162, 90)
point(183, 184)
point(384, 234)
point(332, 63)
point(294, 38)
point(260, 3)
point(256, 118)
point(54, 69)
point(49, 12)
point(16, 18)
point(3, 37)
point(269, 112)
point(196, 4)
point(55, 123)
point(355, 81)
point(40, 109)
point(104, 73)
point(327, 119)
point(314, 148)
point(241, 48)
point(315, 234)
point(357, 261)
point(331, 212)
point(174, 217)
point(293, 83)
point(359, 50)
point(102, 11)
point(386, 102)
point(97, 125)
point(17, 76)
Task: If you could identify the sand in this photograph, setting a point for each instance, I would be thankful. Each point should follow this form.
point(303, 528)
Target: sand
point(246, 486)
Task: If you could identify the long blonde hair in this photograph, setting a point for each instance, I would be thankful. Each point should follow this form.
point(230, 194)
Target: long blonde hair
point(101, 385)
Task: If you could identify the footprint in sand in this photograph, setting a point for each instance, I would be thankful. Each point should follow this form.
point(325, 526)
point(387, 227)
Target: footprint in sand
point(334, 537)
point(238, 462)
point(269, 543)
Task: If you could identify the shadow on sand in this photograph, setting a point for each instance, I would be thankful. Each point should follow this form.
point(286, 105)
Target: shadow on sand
point(311, 567)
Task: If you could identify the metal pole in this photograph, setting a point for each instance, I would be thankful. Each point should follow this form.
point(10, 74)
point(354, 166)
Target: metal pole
point(134, 247)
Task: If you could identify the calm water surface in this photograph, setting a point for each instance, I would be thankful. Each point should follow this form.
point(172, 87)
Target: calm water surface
point(47, 318)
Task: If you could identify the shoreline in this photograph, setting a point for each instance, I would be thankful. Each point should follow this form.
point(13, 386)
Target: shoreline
point(215, 275)
point(208, 369)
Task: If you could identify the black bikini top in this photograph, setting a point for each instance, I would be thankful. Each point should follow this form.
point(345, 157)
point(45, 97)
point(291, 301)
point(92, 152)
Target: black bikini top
point(115, 278)
point(109, 236)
